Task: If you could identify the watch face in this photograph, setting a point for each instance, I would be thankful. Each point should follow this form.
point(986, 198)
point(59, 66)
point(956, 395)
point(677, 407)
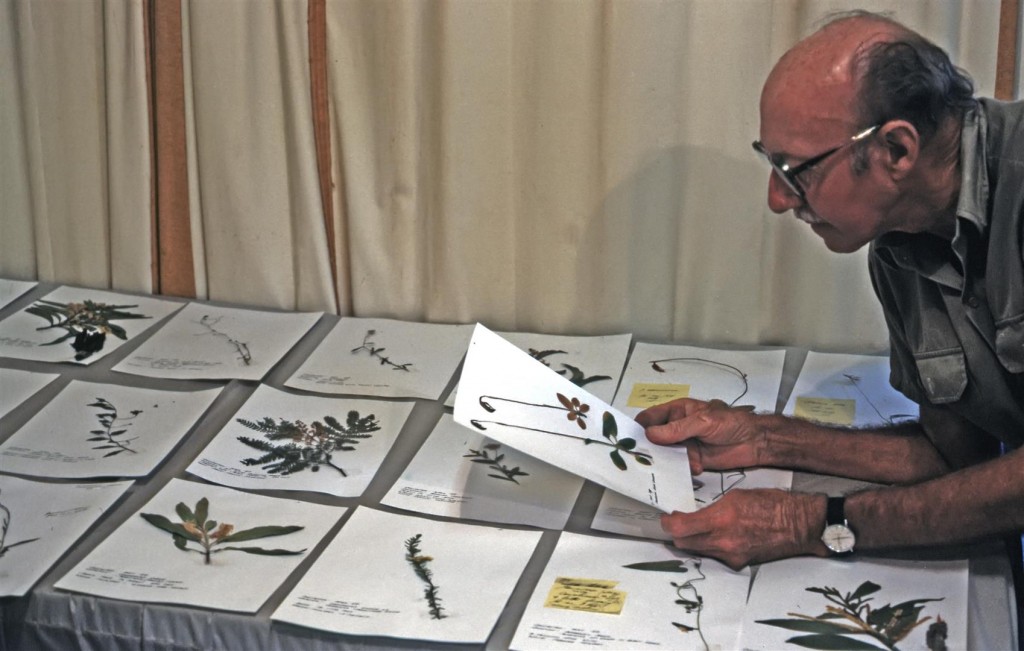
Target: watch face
point(839, 538)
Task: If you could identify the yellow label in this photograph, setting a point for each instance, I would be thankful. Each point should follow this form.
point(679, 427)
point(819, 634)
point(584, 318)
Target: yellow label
point(586, 595)
point(647, 395)
point(837, 411)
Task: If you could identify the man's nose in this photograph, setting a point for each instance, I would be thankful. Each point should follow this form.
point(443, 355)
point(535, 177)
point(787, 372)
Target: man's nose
point(780, 196)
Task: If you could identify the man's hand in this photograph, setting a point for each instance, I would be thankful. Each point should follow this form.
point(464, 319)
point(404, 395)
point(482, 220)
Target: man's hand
point(717, 437)
point(751, 526)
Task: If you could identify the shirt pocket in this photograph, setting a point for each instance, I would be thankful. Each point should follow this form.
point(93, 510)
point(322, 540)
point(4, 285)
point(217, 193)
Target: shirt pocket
point(1010, 343)
point(943, 374)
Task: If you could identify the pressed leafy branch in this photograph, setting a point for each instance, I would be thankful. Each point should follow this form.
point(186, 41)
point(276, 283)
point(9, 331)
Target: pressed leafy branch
point(419, 562)
point(483, 455)
point(86, 323)
point(293, 446)
point(576, 412)
point(214, 537)
point(374, 351)
point(657, 366)
point(5, 523)
point(726, 482)
point(851, 614)
point(113, 428)
point(241, 347)
point(687, 594)
point(576, 376)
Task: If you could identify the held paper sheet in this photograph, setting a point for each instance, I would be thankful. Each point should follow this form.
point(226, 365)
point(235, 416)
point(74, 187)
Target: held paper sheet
point(284, 441)
point(254, 543)
point(460, 473)
point(517, 401)
point(206, 342)
point(384, 357)
point(623, 594)
point(407, 577)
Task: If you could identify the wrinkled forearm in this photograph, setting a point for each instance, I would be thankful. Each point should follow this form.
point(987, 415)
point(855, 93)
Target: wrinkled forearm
point(901, 454)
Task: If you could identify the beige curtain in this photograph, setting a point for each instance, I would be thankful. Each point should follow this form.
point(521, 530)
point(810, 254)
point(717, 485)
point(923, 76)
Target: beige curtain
point(573, 166)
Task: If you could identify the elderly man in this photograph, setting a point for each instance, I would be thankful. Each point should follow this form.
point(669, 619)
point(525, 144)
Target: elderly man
point(875, 138)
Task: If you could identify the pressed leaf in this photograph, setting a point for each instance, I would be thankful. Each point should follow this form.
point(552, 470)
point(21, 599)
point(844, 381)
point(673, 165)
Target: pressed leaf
point(643, 460)
point(617, 459)
point(659, 566)
point(184, 512)
point(809, 626)
point(627, 444)
point(174, 528)
point(864, 590)
point(202, 510)
point(260, 532)
point(609, 428)
point(263, 552)
point(833, 643)
point(565, 401)
point(110, 454)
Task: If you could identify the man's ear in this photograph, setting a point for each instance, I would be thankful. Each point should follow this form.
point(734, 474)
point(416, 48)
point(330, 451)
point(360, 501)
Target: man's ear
point(901, 144)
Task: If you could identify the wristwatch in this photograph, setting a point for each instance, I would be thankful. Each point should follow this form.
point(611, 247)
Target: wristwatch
point(838, 536)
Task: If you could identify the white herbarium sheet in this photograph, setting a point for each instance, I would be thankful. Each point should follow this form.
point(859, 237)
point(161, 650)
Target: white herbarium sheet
point(103, 430)
point(658, 373)
point(857, 604)
point(460, 473)
point(39, 522)
point(18, 386)
point(518, 401)
point(594, 362)
point(284, 441)
point(11, 290)
point(140, 561)
point(408, 577)
point(619, 514)
point(72, 324)
point(623, 594)
point(384, 357)
point(207, 342)
point(848, 390)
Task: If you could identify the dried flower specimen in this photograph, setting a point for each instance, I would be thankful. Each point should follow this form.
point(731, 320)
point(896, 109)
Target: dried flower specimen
point(372, 349)
point(687, 594)
point(241, 347)
point(300, 445)
point(114, 427)
point(210, 534)
point(483, 455)
point(419, 565)
point(5, 523)
point(575, 412)
point(849, 619)
point(87, 323)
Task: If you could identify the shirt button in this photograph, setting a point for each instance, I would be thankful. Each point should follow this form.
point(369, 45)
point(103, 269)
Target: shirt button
point(972, 301)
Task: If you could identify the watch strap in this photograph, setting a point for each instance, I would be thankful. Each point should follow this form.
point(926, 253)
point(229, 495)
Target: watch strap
point(835, 511)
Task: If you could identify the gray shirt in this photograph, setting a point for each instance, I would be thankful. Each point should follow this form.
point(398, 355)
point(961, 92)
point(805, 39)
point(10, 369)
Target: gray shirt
point(955, 310)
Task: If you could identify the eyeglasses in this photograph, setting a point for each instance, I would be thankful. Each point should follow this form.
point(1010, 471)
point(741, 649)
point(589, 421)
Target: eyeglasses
point(789, 175)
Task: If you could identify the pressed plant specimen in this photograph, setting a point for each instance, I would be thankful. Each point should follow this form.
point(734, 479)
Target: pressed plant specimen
point(214, 537)
point(113, 428)
point(419, 562)
point(577, 412)
point(854, 381)
point(687, 594)
point(732, 370)
point(293, 445)
point(576, 376)
point(726, 482)
point(241, 347)
point(374, 351)
point(849, 621)
point(86, 323)
point(5, 523)
point(483, 455)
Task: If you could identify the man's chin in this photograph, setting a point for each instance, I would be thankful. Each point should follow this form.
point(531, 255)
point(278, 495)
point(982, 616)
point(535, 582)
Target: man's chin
point(833, 239)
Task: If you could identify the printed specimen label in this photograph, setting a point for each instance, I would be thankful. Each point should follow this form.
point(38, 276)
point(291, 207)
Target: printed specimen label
point(837, 411)
point(586, 595)
point(646, 394)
